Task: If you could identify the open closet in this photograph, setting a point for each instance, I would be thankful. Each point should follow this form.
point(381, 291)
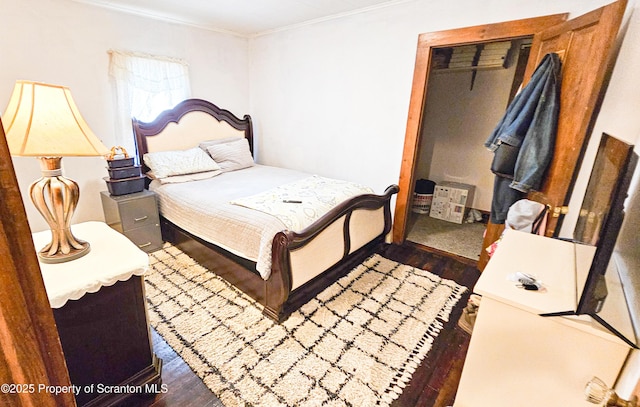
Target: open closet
point(469, 90)
point(585, 46)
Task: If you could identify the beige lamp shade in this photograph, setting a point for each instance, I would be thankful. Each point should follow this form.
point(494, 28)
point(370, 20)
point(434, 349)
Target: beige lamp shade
point(42, 120)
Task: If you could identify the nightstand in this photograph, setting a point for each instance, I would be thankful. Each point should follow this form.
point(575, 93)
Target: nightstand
point(135, 216)
point(99, 306)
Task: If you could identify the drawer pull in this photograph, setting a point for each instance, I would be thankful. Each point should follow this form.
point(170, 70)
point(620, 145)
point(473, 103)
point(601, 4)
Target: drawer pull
point(141, 219)
point(144, 245)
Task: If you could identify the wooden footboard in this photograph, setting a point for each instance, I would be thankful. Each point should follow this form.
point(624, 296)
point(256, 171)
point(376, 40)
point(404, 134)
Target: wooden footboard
point(305, 263)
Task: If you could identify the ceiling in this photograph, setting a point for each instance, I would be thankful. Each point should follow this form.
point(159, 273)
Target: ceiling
point(242, 17)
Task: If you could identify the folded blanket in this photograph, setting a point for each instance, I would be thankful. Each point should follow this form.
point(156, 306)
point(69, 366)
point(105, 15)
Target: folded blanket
point(300, 203)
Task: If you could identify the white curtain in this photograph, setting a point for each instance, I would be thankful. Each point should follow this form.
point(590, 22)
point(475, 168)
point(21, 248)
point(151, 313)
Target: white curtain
point(145, 85)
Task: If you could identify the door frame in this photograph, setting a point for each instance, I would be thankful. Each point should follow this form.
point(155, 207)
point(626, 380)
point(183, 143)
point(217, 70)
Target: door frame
point(426, 43)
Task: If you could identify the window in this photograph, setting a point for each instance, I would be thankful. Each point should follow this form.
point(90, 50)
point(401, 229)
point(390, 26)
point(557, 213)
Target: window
point(145, 85)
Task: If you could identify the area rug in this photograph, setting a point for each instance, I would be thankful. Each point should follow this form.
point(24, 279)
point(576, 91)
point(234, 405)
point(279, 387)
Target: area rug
point(356, 344)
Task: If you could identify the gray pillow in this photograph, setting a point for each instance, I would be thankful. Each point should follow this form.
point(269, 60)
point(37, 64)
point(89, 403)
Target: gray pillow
point(232, 156)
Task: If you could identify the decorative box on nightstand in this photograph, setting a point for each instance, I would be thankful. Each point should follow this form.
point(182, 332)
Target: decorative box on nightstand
point(135, 216)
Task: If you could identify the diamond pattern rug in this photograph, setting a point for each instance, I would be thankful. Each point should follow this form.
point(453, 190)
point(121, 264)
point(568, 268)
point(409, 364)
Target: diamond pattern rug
point(357, 343)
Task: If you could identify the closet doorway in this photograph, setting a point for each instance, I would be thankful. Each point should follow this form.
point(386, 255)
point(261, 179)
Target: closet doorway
point(455, 104)
point(585, 45)
point(469, 90)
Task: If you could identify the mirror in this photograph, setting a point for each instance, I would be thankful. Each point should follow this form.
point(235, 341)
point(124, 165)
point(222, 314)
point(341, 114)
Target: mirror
point(608, 167)
point(609, 220)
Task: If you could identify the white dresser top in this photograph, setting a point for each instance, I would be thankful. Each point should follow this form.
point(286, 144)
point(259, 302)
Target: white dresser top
point(560, 266)
point(113, 257)
point(551, 261)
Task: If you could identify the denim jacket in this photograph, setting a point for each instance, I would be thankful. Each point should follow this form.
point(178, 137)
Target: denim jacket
point(529, 125)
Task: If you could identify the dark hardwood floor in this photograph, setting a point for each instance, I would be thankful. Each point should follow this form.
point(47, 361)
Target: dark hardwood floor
point(433, 384)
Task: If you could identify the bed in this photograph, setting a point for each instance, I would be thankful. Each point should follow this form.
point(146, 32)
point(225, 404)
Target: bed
point(209, 218)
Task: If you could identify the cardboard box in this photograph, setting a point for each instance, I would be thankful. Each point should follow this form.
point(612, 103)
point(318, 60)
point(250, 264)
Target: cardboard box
point(451, 201)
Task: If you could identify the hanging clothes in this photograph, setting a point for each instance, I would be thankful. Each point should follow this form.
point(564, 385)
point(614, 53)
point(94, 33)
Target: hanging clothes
point(524, 139)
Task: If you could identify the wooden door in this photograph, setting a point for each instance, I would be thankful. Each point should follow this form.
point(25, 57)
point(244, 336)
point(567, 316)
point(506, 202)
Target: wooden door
point(584, 45)
point(427, 42)
point(30, 350)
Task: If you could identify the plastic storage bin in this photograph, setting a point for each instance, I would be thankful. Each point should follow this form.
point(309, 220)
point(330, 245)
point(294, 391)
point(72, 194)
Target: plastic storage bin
point(423, 196)
point(125, 186)
point(421, 203)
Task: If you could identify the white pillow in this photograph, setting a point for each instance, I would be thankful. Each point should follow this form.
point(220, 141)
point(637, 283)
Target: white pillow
point(231, 156)
point(180, 162)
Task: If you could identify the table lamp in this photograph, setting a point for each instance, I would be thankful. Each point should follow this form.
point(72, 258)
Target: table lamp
point(42, 120)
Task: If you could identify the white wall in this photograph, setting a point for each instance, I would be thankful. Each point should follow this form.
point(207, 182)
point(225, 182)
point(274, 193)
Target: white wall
point(332, 98)
point(458, 120)
point(65, 43)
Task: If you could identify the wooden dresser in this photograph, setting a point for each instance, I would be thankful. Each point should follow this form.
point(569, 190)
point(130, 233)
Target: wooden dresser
point(100, 311)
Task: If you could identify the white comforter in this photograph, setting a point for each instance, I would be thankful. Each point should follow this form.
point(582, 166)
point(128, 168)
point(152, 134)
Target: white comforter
point(204, 209)
point(300, 203)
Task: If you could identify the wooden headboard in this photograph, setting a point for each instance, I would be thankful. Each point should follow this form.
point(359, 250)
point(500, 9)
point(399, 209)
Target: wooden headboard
point(187, 124)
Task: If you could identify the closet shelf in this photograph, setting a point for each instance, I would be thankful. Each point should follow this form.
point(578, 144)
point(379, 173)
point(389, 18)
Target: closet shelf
point(468, 68)
point(472, 57)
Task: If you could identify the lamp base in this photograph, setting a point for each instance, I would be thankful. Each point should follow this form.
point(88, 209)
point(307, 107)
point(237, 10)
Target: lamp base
point(60, 257)
point(56, 198)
